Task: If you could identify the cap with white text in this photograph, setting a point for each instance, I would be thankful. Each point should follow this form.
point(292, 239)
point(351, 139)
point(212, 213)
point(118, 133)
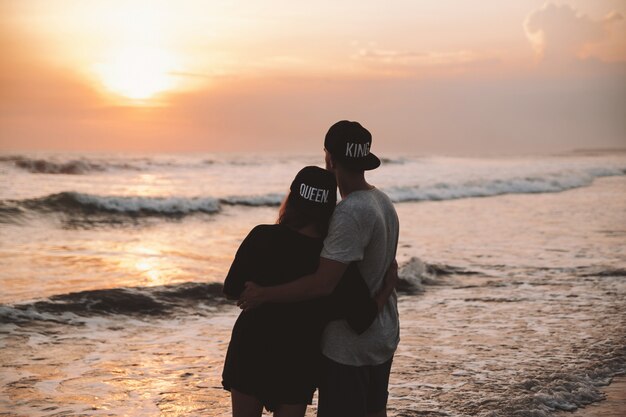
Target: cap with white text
point(349, 143)
point(315, 187)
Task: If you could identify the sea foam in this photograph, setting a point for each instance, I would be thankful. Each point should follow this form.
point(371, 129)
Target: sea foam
point(132, 205)
point(548, 183)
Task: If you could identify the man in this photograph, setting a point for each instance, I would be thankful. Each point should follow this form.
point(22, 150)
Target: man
point(364, 229)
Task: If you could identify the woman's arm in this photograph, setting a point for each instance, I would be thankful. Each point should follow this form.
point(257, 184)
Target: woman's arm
point(318, 284)
point(359, 308)
point(390, 283)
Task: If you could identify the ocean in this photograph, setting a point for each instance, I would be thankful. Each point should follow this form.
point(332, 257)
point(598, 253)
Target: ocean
point(512, 303)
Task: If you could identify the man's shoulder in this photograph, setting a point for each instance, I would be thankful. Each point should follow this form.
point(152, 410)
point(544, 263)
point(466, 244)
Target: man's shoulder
point(363, 202)
point(380, 194)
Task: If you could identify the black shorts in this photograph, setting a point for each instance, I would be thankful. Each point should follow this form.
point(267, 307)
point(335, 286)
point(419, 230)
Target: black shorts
point(353, 391)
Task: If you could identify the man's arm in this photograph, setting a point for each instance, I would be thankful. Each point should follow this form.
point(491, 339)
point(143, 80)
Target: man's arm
point(318, 284)
point(242, 266)
point(322, 282)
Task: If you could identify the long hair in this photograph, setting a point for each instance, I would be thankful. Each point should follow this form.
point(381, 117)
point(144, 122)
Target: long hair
point(295, 215)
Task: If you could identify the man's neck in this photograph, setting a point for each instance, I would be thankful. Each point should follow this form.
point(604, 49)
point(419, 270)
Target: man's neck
point(349, 183)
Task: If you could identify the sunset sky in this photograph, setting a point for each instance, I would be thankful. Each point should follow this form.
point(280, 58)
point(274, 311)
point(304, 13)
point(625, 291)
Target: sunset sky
point(425, 76)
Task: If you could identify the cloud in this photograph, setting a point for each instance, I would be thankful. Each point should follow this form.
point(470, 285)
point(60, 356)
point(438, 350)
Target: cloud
point(410, 63)
point(416, 58)
point(559, 32)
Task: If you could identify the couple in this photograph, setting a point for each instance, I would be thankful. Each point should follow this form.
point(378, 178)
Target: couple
point(322, 278)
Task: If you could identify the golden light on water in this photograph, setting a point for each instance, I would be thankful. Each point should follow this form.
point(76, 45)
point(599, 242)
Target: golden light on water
point(149, 268)
point(148, 264)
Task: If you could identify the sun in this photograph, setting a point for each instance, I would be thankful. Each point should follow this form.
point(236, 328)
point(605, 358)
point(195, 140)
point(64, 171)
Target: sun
point(137, 72)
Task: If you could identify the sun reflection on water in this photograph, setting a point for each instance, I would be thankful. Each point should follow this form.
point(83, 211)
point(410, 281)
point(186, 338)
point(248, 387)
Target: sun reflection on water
point(149, 265)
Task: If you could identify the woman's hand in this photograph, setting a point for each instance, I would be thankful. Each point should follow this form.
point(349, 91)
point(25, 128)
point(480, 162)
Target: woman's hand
point(252, 296)
point(391, 280)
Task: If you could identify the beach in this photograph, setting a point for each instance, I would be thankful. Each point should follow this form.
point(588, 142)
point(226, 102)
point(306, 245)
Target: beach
point(512, 302)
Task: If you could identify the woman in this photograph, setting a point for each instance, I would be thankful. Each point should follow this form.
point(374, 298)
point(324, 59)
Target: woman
point(273, 354)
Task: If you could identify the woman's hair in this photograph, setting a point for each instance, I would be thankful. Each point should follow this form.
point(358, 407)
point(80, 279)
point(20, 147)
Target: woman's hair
point(296, 215)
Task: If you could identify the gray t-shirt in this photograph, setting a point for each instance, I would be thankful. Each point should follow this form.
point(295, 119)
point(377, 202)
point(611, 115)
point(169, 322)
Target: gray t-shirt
point(364, 228)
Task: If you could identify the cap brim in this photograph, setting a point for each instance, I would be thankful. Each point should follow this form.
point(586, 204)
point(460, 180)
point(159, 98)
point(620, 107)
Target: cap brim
point(366, 163)
point(371, 162)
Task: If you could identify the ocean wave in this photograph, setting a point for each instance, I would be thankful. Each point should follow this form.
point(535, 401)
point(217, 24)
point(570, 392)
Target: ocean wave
point(42, 166)
point(415, 274)
point(151, 301)
point(71, 167)
point(156, 301)
point(85, 165)
point(542, 395)
point(73, 202)
point(599, 271)
point(254, 201)
point(586, 271)
point(390, 161)
point(549, 183)
point(81, 166)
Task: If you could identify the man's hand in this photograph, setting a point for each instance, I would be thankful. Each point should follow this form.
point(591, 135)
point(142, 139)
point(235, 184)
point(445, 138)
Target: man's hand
point(252, 296)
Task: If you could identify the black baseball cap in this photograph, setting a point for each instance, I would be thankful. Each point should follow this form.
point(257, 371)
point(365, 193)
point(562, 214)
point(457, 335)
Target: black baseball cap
point(350, 143)
point(314, 188)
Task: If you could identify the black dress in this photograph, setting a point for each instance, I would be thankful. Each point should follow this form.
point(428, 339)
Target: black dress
point(274, 350)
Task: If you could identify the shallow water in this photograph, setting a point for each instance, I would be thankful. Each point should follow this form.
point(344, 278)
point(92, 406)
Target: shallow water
point(517, 307)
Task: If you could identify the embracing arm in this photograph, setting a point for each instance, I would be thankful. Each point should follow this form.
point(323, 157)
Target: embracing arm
point(389, 284)
point(360, 313)
point(243, 265)
point(318, 284)
point(322, 282)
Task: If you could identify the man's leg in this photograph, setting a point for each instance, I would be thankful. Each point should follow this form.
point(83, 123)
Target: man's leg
point(343, 390)
point(377, 390)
